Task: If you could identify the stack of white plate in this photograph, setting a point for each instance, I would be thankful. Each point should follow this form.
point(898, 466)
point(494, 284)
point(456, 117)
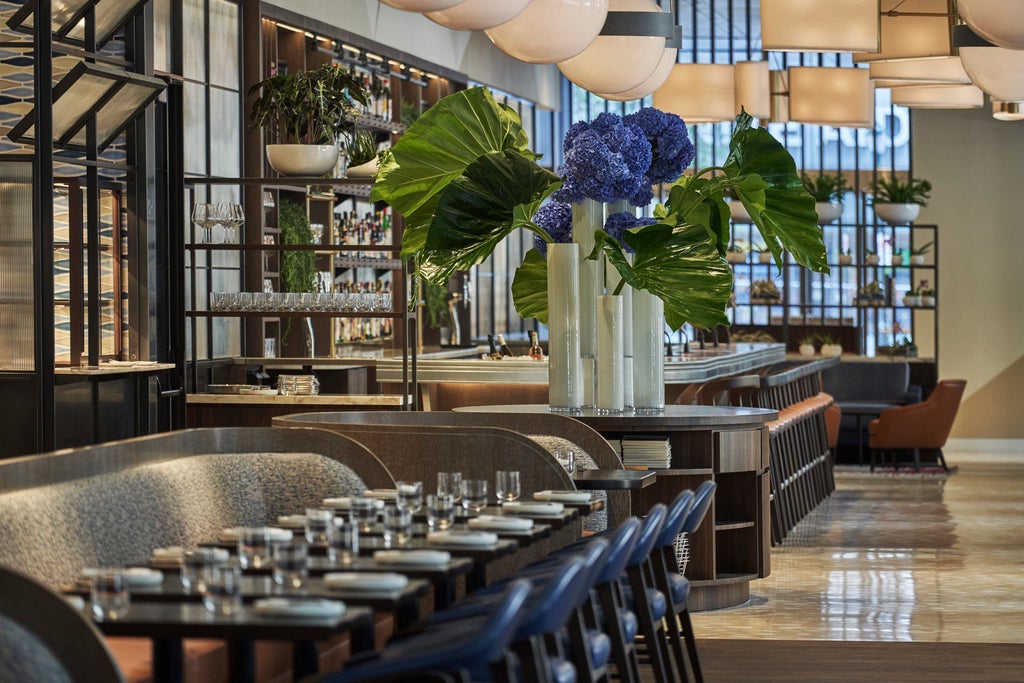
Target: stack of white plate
point(646, 451)
point(298, 385)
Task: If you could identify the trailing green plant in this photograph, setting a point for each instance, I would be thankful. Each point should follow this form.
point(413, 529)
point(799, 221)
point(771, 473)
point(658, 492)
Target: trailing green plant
point(410, 113)
point(435, 299)
point(922, 250)
point(825, 187)
point(361, 147)
point(895, 190)
point(307, 107)
point(298, 268)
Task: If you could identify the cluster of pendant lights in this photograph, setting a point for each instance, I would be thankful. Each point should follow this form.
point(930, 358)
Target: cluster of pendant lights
point(612, 49)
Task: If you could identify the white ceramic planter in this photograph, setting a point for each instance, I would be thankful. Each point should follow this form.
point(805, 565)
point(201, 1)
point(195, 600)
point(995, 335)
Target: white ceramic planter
point(831, 350)
point(911, 300)
point(565, 372)
point(897, 214)
point(927, 300)
point(764, 257)
point(302, 160)
point(648, 352)
point(735, 257)
point(737, 211)
point(828, 211)
point(587, 217)
point(807, 350)
point(610, 385)
point(845, 259)
point(917, 260)
point(871, 259)
point(897, 260)
point(367, 170)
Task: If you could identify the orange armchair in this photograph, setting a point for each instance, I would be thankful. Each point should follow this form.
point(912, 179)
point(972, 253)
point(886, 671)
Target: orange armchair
point(918, 426)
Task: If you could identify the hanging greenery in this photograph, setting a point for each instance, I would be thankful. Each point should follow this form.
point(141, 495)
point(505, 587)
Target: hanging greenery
point(298, 268)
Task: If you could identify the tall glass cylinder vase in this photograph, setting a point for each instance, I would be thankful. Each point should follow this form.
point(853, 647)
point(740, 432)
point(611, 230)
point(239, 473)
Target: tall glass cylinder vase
point(610, 390)
point(565, 371)
point(612, 280)
point(648, 325)
point(587, 217)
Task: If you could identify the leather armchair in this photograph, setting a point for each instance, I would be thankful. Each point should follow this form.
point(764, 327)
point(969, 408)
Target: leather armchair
point(918, 426)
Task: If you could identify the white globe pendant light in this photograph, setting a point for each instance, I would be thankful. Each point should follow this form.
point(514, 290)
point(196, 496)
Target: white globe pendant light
point(627, 51)
point(421, 5)
point(653, 82)
point(477, 15)
point(996, 70)
point(550, 31)
point(1000, 22)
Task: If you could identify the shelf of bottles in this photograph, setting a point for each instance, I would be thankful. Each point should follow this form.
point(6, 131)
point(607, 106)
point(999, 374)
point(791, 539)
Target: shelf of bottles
point(877, 273)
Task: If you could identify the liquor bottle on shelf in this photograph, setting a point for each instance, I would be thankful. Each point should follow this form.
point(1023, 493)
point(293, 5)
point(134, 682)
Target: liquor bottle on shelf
point(536, 352)
point(503, 347)
point(493, 354)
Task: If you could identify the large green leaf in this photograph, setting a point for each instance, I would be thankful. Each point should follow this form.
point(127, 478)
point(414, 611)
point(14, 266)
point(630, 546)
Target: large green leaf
point(784, 214)
point(436, 150)
point(681, 266)
point(497, 193)
point(530, 287)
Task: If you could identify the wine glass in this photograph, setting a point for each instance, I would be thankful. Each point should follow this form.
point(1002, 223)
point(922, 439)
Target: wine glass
point(201, 216)
point(234, 219)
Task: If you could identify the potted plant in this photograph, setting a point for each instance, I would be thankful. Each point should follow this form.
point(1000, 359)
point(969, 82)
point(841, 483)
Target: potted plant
point(845, 257)
point(827, 191)
point(870, 257)
point(912, 297)
point(302, 113)
point(737, 252)
point(361, 149)
point(898, 201)
point(807, 346)
point(871, 294)
point(830, 346)
point(927, 294)
point(764, 291)
point(763, 255)
point(917, 255)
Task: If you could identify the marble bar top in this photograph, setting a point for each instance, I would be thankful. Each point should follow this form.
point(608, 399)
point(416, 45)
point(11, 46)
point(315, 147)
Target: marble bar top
point(696, 366)
point(279, 400)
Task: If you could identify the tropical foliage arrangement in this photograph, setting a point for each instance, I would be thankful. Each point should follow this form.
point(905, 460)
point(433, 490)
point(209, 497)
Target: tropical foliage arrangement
point(361, 147)
point(894, 190)
point(298, 268)
point(825, 187)
point(464, 178)
point(306, 107)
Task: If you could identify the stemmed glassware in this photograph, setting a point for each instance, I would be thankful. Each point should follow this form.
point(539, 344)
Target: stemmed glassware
point(230, 216)
point(203, 218)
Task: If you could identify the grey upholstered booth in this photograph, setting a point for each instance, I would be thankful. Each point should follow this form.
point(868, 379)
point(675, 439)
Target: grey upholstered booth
point(385, 433)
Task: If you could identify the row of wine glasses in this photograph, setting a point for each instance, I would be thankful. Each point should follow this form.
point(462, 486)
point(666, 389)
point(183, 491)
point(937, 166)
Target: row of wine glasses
point(230, 216)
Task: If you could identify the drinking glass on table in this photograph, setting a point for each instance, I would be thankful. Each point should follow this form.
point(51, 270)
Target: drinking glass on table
point(196, 562)
point(291, 564)
point(440, 511)
point(109, 593)
point(506, 485)
point(567, 458)
point(474, 494)
point(344, 547)
point(410, 495)
point(319, 525)
point(397, 526)
point(450, 484)
point(254, 547)
point(222, 592)
point(363, 512)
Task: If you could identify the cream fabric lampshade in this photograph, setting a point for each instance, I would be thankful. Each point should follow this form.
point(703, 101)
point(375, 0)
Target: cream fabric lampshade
point(909, 36)
point(1000, 22)
point(939, 97)
point(699, 93)
point(550, 31)
point(617, 63)
point(831, 96)
point(753, 89)
point(653, 82)
point(477, 15)
point(996, 70)
point(420, 5)
point(819, 25)
point(944, 70)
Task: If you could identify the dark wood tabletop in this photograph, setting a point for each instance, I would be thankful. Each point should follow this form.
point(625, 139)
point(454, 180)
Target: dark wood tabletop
point(613, 480)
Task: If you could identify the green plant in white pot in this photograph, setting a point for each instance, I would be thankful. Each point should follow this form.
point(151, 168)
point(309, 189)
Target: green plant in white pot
point(302, 114)
point(807, 347)
point(897, 201)
point(827, 191)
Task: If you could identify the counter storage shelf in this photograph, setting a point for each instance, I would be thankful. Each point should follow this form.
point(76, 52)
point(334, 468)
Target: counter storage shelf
point(298, 314)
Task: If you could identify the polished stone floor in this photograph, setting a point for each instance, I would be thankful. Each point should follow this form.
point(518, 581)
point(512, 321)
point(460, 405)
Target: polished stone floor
point(898, 559)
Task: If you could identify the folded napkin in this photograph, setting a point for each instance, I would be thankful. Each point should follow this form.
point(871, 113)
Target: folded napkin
point(76, 601)
point(382, 494)
point(366, 581)
point(564, 496)
point(467, 538)
point(169, 555)
point(276, 535)
point(527, 508)
point(137, 577)
point(292, 521)
point(413, 557)
point(345, 503)
point(499, 523)
point(299, 607)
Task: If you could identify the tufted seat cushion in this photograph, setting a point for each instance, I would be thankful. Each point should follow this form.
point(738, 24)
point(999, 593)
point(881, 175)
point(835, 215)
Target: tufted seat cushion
point(680, 587)
point(562, 671)
point(659, 605)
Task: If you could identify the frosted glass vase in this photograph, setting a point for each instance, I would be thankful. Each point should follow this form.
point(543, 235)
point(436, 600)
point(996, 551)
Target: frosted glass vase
point(648, 324)
point(565, 370)
point(612, 280)
point(587, 217)
point(610, 390)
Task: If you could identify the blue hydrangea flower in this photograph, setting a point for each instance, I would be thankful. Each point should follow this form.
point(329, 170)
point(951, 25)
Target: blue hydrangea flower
point(570, 190)
point(671, 148)
point(606, 160)
point(556, 218)
point(618, 223)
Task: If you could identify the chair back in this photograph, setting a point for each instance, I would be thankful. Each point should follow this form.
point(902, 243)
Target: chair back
point(674, 519)
point(701, 502)
point(551, 607)
point(945, 398)
point(648, 534)
point(43, 638)
point(497, 632)
point(621, 544)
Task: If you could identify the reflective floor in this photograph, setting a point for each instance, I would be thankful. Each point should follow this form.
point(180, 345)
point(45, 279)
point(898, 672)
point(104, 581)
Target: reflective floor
point(898, 559)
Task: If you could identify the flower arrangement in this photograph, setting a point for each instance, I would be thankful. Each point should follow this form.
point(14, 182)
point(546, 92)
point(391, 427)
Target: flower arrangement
point(672, 151)
point(464, 178)
point(555, 218)
point(617, 224)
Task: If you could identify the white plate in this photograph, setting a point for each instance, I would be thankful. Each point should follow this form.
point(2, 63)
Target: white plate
point(299, 607)
point(138, 577)
point(525, 508)
point(466, 538)
point(564, 496)
point(382, 494)
point(418, 558)
point(366, 581)
point(276, 535)
point(499, 523)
